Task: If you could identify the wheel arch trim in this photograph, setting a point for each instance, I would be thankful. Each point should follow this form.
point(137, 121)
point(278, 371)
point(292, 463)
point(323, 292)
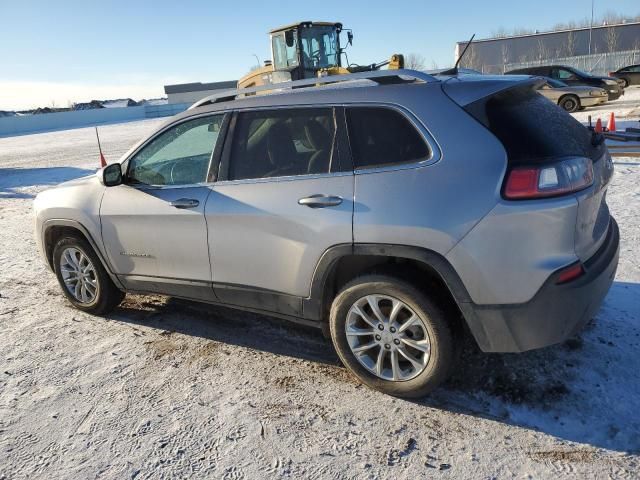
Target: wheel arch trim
point(64, 222)
point(313, 305)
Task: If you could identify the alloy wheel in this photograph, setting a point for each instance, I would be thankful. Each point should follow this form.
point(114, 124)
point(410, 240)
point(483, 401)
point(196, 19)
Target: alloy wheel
point(388, 338)
point(79, 275)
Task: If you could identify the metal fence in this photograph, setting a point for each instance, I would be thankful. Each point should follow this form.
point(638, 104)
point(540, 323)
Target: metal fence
point(597, 64)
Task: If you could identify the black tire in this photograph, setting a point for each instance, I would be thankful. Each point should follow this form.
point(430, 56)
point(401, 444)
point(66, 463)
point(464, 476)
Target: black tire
point(442, 354)
point(625, 83)
point(108, 296)
point(570, 103)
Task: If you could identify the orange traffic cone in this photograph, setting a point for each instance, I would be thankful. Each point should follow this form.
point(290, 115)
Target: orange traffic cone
point(598, 128)
point(611, 126)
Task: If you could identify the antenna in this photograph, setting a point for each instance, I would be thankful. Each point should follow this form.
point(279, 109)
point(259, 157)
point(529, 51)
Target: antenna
point(455, 67)
point(454, 70)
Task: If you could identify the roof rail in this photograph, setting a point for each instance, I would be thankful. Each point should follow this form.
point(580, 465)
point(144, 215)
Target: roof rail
point(382, 77)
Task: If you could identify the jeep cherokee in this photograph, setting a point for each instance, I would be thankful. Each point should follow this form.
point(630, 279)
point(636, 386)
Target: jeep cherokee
point(389, 208)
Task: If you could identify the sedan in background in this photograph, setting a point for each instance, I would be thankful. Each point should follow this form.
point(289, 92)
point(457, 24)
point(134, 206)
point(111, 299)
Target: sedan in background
point(572, 76)
point(628, 75)
point(571, 98)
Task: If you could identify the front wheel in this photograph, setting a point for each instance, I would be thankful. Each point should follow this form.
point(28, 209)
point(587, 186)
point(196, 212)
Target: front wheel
point(391, 336)
point(570, 103)
point(83, 279)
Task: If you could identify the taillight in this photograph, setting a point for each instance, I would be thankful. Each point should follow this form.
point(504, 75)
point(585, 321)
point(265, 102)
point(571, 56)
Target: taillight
point(549, 180)
point(570, 273)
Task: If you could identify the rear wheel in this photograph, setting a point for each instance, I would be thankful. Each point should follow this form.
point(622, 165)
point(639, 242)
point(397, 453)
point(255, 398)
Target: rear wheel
point(391, 336)
point(625, 83)
point(570, 103)
point(83, 279)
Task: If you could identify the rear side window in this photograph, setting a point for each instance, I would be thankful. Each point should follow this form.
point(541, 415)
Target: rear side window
point(383, 136)
point(533, 129)
point(281, 143)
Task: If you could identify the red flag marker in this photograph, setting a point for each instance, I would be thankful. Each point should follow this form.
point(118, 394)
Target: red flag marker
point(103, 161)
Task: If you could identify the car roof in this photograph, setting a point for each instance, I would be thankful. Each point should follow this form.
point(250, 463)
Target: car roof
point(326, 95)
point(463, 89)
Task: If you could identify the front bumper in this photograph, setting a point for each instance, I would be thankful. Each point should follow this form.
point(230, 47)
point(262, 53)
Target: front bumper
point(614, 93)
point(555, 313)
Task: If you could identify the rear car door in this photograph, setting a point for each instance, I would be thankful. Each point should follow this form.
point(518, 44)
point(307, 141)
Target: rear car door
point(634, 75)
point(547, 90)
point(389, 149)
point(153, 225)
point(283, 197)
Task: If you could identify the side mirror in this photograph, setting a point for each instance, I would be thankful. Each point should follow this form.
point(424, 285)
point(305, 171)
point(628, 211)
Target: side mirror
point(112, 175)
point(289, 38)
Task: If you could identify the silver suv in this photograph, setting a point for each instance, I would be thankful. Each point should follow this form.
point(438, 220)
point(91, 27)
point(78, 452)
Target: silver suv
point(395, 212)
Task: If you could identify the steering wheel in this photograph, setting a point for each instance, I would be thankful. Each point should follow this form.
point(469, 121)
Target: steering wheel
point(178, 175)
point(316, 55)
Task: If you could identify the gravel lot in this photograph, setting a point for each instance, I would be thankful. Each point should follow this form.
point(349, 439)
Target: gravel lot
point(164, 389)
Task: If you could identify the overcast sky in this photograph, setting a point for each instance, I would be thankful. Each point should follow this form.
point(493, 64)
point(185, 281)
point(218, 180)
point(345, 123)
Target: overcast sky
point(59, 52)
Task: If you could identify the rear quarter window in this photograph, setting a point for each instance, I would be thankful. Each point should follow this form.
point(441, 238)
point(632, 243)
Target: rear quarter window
point(382, 136)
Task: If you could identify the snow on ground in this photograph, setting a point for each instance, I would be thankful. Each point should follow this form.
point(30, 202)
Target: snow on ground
point(626, 108)
point(163, 388)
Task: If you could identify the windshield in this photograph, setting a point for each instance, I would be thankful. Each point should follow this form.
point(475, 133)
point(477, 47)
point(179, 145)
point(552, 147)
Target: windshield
point(319, 47)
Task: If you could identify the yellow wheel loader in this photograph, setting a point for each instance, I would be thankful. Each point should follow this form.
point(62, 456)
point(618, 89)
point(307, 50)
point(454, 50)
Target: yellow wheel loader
point(308, 50)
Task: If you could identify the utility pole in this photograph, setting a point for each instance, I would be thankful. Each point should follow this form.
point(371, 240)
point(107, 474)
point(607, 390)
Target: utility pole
point(590, 27)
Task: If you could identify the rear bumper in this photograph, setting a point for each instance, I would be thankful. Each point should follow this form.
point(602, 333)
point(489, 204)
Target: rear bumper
point(554, 314)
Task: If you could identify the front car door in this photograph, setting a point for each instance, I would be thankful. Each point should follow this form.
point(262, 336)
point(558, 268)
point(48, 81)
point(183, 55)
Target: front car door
point(284, 196)
point(153, 225)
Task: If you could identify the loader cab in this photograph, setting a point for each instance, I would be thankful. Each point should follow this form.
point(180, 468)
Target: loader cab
point(300, 50)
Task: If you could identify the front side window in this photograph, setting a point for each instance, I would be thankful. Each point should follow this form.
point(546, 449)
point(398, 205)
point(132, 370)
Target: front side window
point(283, 143)
point(284, 56)
point(565, 74)
point(178, 156)
point(383, 136)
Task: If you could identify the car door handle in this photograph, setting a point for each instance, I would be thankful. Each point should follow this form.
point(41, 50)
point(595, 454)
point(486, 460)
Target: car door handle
point(320, 201)
point(185, 203)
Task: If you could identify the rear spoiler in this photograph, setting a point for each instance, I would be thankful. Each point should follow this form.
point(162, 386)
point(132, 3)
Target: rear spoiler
point(467, 89)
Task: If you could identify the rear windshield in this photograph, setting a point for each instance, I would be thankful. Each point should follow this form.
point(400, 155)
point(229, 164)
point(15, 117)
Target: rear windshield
point(532, 128)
